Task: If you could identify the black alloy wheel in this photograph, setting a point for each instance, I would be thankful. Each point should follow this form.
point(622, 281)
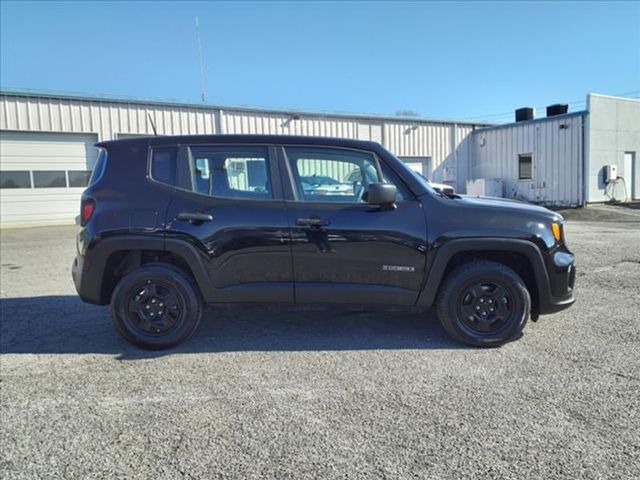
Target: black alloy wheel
point(156, 306)
point(483, 303)
point(485, 307)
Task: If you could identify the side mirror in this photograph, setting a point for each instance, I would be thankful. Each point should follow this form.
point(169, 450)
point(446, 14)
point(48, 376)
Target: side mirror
point(383, 194)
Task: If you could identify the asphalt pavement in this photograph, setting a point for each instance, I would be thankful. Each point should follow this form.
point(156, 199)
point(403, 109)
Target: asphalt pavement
point(289, 393)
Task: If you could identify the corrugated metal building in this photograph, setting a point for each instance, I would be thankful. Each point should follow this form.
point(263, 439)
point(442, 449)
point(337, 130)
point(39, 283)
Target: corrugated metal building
point(553, 147)
point(560, 160)
point(46, 142)
point(46, 147)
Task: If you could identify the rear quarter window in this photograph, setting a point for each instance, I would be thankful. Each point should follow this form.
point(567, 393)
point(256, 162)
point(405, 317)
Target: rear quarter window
point(99, 167)
point(163, 165)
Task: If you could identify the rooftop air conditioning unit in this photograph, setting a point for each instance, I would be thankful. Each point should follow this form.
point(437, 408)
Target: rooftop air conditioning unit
point(524, 114)
point(557, 109)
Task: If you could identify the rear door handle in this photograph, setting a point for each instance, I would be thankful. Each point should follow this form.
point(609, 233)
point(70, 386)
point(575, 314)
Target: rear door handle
point(312, 222)
point(195, 217)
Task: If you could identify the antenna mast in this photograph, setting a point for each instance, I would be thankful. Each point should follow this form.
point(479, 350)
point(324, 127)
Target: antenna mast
point(202, 80)
point(153, 125)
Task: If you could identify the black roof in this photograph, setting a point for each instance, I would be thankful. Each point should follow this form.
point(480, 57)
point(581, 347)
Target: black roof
point(244, 138)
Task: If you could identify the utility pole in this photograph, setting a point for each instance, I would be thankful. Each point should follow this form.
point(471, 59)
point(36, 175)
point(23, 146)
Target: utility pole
point(202, 79)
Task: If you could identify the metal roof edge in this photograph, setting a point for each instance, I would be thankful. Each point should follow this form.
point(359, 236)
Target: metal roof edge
point(535, 120)
point(613, 97)
point(8, 91)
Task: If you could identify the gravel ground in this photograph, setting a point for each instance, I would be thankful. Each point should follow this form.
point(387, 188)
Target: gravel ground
point(261, 393)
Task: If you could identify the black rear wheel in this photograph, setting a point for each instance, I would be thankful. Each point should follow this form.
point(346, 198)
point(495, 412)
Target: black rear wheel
point(156, 307)
point(484, 303)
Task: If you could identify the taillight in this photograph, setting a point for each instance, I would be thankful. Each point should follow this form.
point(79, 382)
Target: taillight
point(87, 207)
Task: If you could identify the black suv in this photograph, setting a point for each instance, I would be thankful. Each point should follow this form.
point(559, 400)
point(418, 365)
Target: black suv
point(171, 223)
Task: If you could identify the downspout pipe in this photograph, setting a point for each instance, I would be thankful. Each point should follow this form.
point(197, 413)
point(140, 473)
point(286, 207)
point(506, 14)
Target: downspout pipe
point(584, 160)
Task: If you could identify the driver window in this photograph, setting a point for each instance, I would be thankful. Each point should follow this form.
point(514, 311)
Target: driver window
point(332, 174)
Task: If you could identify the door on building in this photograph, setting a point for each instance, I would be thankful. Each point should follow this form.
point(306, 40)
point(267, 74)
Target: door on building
point(42, 175)
point(422, 165)
point(631, 175)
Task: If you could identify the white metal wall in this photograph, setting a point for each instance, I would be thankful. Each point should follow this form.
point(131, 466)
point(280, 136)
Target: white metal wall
point(556, 145)
point(283, 124)
point(103, 118)
point(444, 143)
point(457, 151)
point(613, 131)
point(36, 152)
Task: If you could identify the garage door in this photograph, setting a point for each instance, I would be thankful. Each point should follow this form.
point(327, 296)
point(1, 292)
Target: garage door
point(42, 176)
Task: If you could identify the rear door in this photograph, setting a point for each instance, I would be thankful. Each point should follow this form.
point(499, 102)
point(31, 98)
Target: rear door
point(344, 249)
point(229, 206)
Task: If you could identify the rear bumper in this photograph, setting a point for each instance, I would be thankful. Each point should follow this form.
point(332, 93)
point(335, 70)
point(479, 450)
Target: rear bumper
point(88, 292)
point(88, 285)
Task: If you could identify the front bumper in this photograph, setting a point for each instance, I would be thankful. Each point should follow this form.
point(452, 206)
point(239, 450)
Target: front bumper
point(562, 276)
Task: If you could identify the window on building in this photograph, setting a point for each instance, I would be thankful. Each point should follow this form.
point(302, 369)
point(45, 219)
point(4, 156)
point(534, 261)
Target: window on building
point(49, 179)
point(525, 167)
point(79, 178)
point(15, 179)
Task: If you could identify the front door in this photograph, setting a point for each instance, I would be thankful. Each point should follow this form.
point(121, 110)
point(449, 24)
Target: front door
point(631, 175)
point(229, 206)
point(344, 249)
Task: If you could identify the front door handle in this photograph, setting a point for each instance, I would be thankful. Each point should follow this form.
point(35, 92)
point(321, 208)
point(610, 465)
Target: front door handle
point(312, 222)
point(195, 217)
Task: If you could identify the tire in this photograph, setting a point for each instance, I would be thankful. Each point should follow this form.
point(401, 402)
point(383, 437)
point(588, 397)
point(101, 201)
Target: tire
point(156, 307)
point(484, 304)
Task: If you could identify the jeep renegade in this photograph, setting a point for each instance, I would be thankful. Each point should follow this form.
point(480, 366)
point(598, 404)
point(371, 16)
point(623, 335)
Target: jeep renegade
point(169, 224)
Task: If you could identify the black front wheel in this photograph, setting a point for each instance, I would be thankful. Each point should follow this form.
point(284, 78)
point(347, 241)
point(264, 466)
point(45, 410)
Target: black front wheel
point(156, 306)
point(484, 303)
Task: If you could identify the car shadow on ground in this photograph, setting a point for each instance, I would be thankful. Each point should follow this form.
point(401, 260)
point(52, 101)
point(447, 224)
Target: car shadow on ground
point(64, 324)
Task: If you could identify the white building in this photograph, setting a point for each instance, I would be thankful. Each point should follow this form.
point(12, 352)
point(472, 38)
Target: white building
point(46, 146)
point(561, 160)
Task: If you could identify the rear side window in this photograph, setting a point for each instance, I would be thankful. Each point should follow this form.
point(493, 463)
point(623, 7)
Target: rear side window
point(231, 172)
point(163, 164)
point(99, 167)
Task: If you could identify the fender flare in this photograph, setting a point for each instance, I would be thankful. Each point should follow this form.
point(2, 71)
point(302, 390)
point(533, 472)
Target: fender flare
point(102, 250)
point(446, 252)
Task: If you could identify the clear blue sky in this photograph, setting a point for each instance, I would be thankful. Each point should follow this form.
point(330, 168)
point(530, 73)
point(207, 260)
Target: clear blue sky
point(453, 60)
